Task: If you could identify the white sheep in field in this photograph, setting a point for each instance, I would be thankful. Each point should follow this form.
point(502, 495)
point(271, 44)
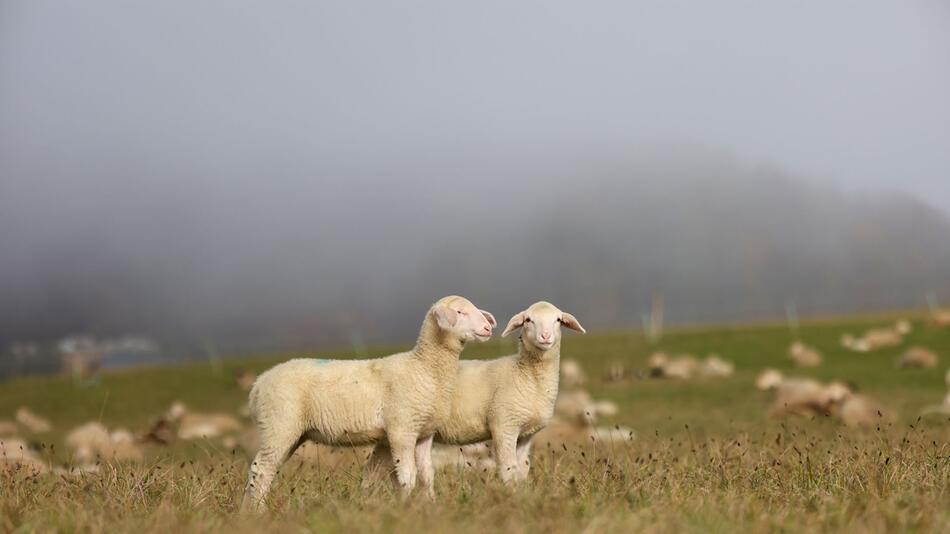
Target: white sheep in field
point(509, 399)
point(16, 453)
point(918, 357)
point(394, 400)
point(572, 374)
point(93, 440)
point(195, 425)
point(803, 355)
point(681, 367)
point(715, 367)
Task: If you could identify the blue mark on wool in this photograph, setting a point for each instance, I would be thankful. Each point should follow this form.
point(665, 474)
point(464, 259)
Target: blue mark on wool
point(321, 361)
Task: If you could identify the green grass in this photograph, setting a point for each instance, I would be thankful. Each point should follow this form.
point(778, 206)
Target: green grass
point(706, 458)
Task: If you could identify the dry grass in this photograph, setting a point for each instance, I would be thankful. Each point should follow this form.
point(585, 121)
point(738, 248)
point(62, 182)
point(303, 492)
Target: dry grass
point(808, 475)
point(706, 458)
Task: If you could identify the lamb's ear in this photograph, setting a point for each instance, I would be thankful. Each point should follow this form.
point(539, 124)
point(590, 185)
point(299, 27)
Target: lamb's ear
point(515, 323)
point(445, 317)
point(569, 321)
point(490, 318)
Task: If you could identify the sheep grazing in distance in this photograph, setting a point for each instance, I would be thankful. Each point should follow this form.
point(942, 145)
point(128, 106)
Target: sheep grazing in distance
point(92, 441)
point(940, 318)
point(193, 425)
point(245, 380)
point(803, 355)
point(686, 367)
point(810, 398)
point(918, 357)
point(796, 396)
point(16, 453)
point(873, 339)
point(394, 400)
point(471, 456)
point(681, 367)
point(854, 410)
point(578, 406)
point(572, 375)
point(903, 327)
point(715, 367)
point(509, 399)
point(616, 372)
point(576, 415)
point(32, 422)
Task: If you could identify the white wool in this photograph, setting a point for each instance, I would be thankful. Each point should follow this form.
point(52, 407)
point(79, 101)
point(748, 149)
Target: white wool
point(509, 399)
point(394, 400)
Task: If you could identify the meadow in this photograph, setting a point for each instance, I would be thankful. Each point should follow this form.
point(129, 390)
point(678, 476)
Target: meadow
point(706, 458)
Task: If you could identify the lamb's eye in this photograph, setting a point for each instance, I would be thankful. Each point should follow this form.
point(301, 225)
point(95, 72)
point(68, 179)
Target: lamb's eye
point(527, 319)
point(559, 319)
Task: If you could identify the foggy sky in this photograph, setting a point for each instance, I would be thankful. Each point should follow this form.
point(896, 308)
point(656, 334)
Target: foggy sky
point(201, 146)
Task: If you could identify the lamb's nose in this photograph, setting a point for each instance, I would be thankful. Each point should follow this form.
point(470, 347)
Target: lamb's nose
point(545, 335)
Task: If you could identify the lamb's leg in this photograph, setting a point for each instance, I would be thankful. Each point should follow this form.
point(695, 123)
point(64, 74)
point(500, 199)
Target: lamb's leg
point(505, 454)
point(403, 448)
point(425, 467)
point(379, 465)
point(276, 447)
point(523, 451)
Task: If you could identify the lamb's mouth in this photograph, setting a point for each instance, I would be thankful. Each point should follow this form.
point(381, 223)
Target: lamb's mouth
point(482, 337)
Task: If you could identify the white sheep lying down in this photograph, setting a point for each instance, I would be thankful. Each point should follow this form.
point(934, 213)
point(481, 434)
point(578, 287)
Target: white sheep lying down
point(506, 400)
point(393, 400)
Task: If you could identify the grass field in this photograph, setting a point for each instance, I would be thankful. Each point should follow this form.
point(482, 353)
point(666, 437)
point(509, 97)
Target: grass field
point(706, 458)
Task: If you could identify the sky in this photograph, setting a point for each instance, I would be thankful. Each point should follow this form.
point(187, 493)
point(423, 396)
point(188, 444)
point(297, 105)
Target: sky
point(260, 158)
point(854, 93)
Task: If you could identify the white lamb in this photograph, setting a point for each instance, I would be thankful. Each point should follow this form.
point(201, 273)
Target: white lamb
point(506, 400)
point(393, 400)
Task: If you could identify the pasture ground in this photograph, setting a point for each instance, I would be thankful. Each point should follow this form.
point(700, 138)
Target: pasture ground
point(706, 457)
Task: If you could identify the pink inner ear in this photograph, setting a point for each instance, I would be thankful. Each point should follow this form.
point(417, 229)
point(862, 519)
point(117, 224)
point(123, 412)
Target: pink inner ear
point(445, 316)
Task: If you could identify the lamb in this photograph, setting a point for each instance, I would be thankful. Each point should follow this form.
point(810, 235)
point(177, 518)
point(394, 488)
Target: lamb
point(507, 400)
point(918, 357)
point(394, 400)
point(32, 422)
point(803, 355)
